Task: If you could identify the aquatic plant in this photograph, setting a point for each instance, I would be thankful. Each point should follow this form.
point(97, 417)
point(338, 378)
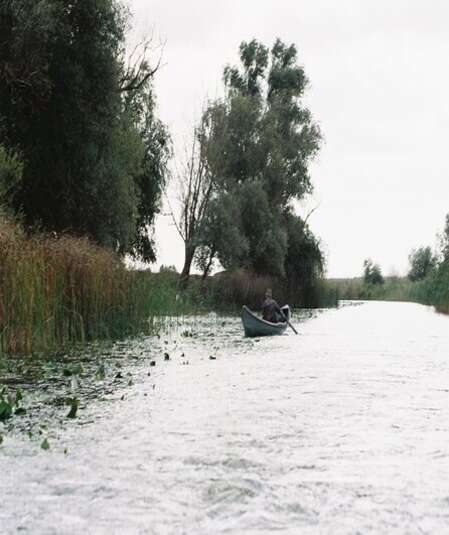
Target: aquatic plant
point(60, 290)
point(10, 405)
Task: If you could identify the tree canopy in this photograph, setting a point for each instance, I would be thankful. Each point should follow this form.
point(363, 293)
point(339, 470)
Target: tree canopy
point(83, 121)
point(422, 261)
point(259, 142)
point(372, 274)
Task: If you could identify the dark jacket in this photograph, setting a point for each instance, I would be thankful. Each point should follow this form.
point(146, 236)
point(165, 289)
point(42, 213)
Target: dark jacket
point(271, 311)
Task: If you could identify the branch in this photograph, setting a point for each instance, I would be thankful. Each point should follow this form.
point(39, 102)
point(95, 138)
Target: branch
point(310, 213)
point(136, 74)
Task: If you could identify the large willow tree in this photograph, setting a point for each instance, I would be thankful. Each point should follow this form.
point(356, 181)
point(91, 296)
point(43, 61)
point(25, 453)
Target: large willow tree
point(261, 140)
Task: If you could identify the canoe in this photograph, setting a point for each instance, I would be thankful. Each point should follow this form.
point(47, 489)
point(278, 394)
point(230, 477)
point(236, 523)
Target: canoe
point(255, 326)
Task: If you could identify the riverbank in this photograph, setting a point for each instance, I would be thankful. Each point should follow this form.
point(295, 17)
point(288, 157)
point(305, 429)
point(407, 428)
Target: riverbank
point(56, 291)
point(434, 290)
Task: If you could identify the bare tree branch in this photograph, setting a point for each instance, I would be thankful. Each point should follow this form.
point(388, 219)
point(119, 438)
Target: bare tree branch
point(137, 71)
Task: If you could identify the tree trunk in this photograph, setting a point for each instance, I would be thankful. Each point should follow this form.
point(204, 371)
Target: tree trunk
point(188, 259)
point(206, 271)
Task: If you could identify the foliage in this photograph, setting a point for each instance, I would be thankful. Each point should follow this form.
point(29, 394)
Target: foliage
point(168, 269)
point(372, 273)
point(231, 246)
point(10, 405)
point(258, 142)
point(304, 263)
point(433, 289)
point(94, 154)
point(422, 262)
point(56, 291)
point(151, 178)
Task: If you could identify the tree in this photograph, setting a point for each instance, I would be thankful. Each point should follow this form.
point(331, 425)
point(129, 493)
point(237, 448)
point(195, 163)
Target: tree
point(196, 188)
point(304, 261)
point(372, 273)
point(444, 241)
point(220, 235)
point(261, 139)
point(422, 261)
point(151, 178)
point(83, 118)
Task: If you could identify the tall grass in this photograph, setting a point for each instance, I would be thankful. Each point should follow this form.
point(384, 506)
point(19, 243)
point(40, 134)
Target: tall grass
point(64, 290)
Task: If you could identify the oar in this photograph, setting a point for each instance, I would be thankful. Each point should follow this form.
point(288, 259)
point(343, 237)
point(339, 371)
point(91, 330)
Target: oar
point(288, 323)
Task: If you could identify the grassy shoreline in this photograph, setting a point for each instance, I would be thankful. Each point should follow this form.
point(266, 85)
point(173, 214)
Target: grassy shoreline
point(59, 291)
point(433, 290)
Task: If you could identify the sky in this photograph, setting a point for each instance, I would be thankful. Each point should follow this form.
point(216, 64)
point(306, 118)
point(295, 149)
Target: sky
point(379, 87)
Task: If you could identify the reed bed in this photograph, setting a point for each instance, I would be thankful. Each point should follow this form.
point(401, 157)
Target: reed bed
point(56, 291)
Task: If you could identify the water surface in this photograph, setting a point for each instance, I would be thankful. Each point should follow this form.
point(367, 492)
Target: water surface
point(343, 429)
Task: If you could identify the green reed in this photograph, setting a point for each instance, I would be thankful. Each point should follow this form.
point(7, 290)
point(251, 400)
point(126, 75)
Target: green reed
point(60, 291)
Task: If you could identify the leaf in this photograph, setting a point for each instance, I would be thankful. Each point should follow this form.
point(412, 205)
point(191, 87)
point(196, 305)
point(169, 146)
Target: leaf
point(73, 408)
point(19, 396)
point(101, 373)
point(45, 444)
point(5, 410)
point(20, 411)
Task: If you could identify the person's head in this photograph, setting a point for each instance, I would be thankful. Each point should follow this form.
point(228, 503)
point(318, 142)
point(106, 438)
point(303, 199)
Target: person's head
point(268, 293)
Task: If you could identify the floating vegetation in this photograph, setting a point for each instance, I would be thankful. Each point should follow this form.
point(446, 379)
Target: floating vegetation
point(10, 405)
point(42, 395)
point(45, 444)
point(101, 373)
point(73, 402)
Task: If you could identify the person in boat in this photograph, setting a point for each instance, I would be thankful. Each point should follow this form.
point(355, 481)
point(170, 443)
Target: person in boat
point(271, 311)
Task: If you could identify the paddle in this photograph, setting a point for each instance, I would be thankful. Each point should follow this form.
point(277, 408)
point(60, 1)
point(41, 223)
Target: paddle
point(288, 323)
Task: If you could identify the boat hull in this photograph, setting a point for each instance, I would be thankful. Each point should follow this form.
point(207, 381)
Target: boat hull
point(255, 326)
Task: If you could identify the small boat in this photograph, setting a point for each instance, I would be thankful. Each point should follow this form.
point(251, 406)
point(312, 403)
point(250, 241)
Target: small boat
point(255, 326)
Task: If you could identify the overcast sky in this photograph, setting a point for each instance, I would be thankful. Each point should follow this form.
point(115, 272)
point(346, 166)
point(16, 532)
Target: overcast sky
point(379, 88)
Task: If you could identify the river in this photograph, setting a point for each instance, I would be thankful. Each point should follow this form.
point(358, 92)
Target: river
point(343, 429)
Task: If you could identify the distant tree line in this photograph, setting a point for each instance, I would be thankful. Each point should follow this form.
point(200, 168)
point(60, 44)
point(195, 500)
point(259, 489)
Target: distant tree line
point(425, 265)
